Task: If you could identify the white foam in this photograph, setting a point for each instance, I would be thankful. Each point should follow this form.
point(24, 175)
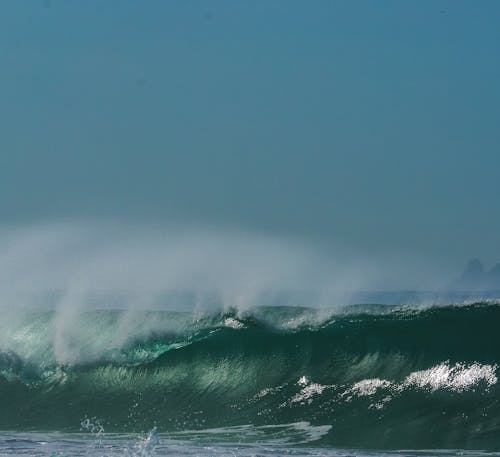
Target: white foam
point(303, 381)
point(233, 323)
point(458, 377)
point(309, 390)
point(368, 387)
point(266, 391)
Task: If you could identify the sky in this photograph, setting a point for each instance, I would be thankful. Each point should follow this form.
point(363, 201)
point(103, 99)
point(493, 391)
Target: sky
point(367, 125)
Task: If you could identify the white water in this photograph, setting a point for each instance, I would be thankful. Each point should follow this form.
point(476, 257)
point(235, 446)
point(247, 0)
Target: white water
point(157, 445)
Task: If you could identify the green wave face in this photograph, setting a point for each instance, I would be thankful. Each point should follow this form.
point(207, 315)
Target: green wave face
point(373, 377)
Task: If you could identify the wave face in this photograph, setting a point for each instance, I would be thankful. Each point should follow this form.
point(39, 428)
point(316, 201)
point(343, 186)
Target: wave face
point(372, 376)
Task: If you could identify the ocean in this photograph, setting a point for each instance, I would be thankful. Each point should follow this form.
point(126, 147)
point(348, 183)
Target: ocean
point(367, 380)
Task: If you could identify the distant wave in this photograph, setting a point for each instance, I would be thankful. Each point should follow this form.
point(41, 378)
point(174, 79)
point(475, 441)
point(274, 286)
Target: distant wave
point(371, 376)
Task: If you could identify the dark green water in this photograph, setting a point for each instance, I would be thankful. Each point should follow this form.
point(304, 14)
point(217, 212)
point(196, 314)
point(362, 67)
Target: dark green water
point(371, 377)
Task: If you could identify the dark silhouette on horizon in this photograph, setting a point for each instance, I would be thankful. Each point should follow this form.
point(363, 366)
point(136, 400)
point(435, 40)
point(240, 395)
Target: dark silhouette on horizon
point(475, 277)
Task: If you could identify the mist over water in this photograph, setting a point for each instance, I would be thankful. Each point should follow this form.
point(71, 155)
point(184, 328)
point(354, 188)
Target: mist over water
point(224, 337)
point(71, 268)
point(72, 265)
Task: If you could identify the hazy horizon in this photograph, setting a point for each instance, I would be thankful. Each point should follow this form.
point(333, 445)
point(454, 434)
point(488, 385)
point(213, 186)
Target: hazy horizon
point(355, 144)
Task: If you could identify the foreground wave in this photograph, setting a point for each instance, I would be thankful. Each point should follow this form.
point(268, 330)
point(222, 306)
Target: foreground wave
point(372, 376)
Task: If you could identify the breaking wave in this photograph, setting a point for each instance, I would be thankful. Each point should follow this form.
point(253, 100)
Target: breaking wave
point(371, 376)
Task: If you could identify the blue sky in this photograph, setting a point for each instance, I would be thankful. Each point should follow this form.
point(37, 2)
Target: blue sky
point(373, 125)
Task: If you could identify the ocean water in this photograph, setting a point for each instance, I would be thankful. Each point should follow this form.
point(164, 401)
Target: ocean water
point(361, 380)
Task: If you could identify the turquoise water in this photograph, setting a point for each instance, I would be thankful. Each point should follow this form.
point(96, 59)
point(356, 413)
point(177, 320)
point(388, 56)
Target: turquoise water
point(366, 380)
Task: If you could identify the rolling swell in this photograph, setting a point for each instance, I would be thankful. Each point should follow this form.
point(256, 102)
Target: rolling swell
point(379, 376)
